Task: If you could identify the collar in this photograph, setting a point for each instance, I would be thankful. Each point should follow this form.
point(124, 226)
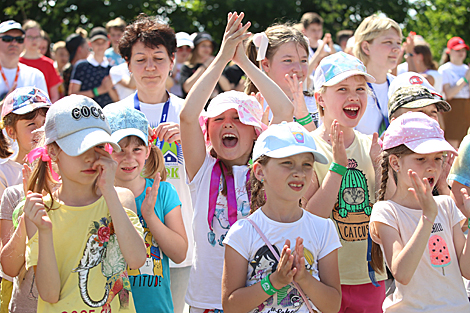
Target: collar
point(92, 61)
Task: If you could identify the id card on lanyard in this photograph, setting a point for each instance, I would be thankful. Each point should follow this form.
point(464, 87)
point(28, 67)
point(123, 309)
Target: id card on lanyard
point(385, 122)
point(163, 118)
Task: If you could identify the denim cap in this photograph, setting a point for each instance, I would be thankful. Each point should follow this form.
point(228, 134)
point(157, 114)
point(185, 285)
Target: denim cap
point(284, 140)
point(415, 97)
point(420, 133)
point(337, 67)
point(77, 123)
point(9, 25)
point(24, 100)
point(126, 121)
point(408, 79)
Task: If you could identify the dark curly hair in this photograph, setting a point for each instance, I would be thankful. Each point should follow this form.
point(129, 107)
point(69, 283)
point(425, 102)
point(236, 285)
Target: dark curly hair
point(151, 31)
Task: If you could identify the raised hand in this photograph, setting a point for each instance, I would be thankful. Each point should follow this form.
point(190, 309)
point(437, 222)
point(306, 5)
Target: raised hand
point(285, 271)
point(234, 34)
point(106, 168)
point(296, 88)
point(337, 144)
point(35, 211)
point(422, 191)
point(148, 205)
point(299, 261)
point(466, 202)
point(26, 170)
point(375, 152)
point(169, 132)
point(441, 184)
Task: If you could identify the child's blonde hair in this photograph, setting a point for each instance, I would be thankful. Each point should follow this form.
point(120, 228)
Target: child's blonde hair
point(371, 28)
point(277, 35)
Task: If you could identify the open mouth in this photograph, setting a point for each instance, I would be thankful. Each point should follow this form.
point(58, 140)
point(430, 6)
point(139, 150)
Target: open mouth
point(296, 186)
point(351, 111)
point(431, 181)
point(128, 169)
point(229, 140)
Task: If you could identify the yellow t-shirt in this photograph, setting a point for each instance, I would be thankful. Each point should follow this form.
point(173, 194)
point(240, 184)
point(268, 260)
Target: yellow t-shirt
point(353, 207)
point(92, 269)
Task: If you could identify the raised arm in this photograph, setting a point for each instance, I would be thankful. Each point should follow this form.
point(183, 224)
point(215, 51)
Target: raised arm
point(192, 138)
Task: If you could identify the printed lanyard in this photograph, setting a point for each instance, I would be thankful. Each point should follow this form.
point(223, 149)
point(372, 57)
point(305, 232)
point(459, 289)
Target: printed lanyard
point(163, 119)
point(385, 122)
point(5, 78)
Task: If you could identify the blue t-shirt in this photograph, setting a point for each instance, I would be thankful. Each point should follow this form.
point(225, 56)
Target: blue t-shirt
point(151, 283)
point(113, 57)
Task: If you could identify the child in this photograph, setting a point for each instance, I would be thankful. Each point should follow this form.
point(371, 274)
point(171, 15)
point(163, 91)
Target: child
point(232, 122)
point(85, 236)
point(23, 111)
point(158, 207)
point(419, 234)
point(281, 51)
point(377, 45)
point(346, 186)
point(282, 171)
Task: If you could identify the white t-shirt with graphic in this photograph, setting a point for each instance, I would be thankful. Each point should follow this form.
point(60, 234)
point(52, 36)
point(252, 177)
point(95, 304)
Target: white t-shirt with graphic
point(436, 285)
point(174, 163)
point(320, 239)
point(204, 289)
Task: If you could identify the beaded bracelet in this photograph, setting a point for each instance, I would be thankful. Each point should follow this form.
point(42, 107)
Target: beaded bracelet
point(95, 92)
point(305, 120)
point(267, 286)
point(337, 168)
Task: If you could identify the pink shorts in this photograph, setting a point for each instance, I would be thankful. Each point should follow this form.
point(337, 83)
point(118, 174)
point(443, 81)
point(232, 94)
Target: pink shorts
point(364, 298)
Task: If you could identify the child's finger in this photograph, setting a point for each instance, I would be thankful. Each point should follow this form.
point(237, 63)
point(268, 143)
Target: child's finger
point(464, 193)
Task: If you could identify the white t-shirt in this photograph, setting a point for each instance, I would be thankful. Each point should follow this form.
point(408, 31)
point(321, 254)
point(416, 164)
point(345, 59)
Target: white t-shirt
point(205, 280)
point(436, 285)
point(403, 68)
point(451, 73)
point(10, 174)
point(28, 76)
point(118, 73)
point(174, 163)
point(372, 118)
point(320, 239)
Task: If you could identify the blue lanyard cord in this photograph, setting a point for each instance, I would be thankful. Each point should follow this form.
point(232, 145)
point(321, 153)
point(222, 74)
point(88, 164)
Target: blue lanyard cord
point(163, 119)
point(385, 121)
point(369, 259)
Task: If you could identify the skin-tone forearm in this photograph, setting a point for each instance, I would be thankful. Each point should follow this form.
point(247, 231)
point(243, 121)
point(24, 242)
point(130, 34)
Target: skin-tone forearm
point(450, 92)
point(173, 244)
point(54, 93)
point(47, 271)
point(130, 242)
point(322, 201)
point(13, 252)
point(75, 89)
point(191, 81)
point(114, 95)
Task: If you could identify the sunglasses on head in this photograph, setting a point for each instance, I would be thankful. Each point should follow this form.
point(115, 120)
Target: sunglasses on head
point(8, 38)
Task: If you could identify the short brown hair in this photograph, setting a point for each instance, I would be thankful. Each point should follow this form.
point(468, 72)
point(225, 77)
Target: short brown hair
point(311, 18)
point(117, 23)
point(151, 32)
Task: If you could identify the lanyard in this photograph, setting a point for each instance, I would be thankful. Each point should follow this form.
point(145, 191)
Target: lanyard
point(5, 78)
point(163, 119)
point(385, 122)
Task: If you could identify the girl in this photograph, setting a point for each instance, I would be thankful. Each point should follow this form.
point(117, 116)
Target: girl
point(281, 51)
point(232, 122)
point(377, 45)
point(164, 233)
point(455, 78)
point(419, 234)
point(282, 171)
point(85, 235)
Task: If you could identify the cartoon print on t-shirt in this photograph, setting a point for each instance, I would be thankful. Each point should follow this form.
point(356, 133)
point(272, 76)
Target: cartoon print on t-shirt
point(102, 247)
point(352, 210)
point(153, 264)
point(263, 263)
point(173, 156)
point(438, 252)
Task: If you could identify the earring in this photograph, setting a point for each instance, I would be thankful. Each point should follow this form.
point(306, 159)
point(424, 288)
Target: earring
point(262, 180)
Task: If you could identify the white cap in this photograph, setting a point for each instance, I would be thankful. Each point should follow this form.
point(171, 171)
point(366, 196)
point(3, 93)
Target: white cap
point(183, 39)
point(408, 79)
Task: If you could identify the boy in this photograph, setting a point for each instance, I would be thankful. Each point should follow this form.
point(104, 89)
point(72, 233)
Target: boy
point(115, 29)
point(90, 77)
point(344, 189)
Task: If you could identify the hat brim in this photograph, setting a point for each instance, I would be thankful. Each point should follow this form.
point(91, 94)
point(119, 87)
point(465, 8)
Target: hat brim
point(430, 145)
point(459, 46)
point(294, 150)
point(219, 109)
point(421, 103)
point(342, 76)
point(83, 140)
point(182, 42)
point(122, 133)
point(99, 37)
point(30, 108)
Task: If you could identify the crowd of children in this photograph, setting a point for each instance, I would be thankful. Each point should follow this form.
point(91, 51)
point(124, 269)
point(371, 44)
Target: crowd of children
point(275, 199)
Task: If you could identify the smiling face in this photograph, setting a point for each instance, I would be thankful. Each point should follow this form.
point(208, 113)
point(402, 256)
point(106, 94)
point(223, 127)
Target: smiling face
point(345, 101)
point(290, 58)
point(231, 139)
point(424, 165)
point(131, 159)
point(150, 66)
point(22, 131)
point(383, 51)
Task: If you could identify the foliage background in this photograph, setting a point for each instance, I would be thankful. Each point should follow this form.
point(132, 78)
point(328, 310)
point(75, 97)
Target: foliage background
point(436, 20)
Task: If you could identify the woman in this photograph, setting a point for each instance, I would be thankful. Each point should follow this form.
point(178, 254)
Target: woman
point(455, 78)
point(200, 59)
point(149, 46)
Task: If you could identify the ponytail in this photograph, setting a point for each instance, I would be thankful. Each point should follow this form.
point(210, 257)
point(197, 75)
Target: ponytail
point(251, 53)
point(255, 187)
point(5, 150)
point(154, 164)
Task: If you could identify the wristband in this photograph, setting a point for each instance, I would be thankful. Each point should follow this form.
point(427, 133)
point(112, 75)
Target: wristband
point(305, 120)
point(337, 168)
point(465, 79)
point(267, 286)
point(95, 92)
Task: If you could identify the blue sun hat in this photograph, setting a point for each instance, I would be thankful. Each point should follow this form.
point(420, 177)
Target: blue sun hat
point(284, 140)
point(126, 121)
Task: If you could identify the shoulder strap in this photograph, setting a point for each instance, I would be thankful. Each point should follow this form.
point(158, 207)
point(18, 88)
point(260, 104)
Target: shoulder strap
point(276, 255)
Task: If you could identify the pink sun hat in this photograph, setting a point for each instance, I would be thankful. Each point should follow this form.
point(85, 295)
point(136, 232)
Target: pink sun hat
point(249, 110)
point(420, 133)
